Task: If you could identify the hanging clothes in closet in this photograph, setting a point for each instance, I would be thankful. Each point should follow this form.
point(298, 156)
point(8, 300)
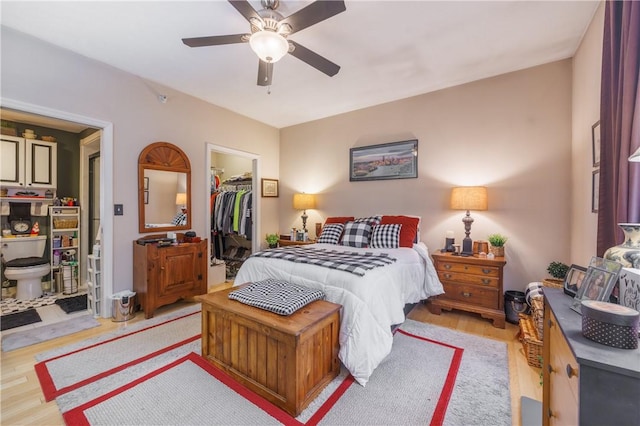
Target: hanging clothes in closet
point(231, 214)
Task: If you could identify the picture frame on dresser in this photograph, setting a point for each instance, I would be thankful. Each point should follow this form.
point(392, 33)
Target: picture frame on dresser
point(573, 280)
point(630, 288)
point(394, 160)
point(598, 284)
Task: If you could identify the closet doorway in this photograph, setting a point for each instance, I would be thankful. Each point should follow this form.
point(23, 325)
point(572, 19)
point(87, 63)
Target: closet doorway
point(236, 171)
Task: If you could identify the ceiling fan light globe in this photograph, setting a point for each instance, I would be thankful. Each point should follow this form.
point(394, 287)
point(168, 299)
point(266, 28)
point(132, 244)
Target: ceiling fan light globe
point(269, 45)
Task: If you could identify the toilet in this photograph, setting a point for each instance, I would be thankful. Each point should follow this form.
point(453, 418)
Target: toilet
point(23, 262)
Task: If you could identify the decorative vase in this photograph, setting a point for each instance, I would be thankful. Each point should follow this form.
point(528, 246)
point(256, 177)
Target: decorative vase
point(627, 253)
point(497, 251)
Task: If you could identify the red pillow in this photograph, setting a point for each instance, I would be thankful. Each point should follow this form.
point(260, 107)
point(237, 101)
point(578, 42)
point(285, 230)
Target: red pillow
point(338, 219)
point(409, 228)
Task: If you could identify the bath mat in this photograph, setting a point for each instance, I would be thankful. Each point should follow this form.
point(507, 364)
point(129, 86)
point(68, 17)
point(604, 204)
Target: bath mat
point(11, 306)
point(19, 319)
point(73, 304)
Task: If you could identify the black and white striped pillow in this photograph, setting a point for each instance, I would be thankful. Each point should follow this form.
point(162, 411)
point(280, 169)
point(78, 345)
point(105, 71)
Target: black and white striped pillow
point(372, 220)
point(386, 236)
point(356, 234)
point(331, 233)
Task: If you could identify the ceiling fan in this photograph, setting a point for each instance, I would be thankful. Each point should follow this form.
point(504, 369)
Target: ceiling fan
point(269, 32)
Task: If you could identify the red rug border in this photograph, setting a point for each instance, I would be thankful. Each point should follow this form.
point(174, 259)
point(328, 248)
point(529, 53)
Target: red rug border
point(76, 415)
point(51, 392)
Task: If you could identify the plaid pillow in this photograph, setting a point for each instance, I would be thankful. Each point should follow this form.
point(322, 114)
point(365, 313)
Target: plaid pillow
point(331, 233)
point(386, 236)
point(281, 297)
point(356, 234)
point(373, 220)
point(180, 219)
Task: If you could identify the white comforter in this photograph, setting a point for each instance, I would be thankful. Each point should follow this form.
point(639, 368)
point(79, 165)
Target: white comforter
point(371, 304)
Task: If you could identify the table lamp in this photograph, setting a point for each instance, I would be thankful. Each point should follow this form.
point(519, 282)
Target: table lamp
point(303, 202)
point(468, 198)
point(181, 200)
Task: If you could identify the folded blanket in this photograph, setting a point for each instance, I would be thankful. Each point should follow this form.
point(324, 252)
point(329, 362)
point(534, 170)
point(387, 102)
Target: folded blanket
point(355, 263)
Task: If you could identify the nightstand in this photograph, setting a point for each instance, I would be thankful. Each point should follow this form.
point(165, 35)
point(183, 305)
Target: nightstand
point(283, 243)
point(470, 284)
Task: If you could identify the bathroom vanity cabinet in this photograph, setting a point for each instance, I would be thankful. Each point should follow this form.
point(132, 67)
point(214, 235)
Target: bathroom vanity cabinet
point(165, 274)
point(28, 163)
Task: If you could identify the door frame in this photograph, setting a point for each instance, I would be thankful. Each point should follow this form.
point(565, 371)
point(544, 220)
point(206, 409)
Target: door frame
point(209, 148)
point(106, 184)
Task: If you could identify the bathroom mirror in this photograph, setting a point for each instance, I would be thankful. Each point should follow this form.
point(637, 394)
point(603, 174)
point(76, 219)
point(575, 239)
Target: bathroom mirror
point(164, 189)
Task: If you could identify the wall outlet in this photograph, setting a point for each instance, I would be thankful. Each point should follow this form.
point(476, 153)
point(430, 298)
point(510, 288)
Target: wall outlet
point(118, 209)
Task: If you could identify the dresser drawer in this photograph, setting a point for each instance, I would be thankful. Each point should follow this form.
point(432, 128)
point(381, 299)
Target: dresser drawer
point(479, 296)
point(562, 361)
point(485, 281)
point(488, 271)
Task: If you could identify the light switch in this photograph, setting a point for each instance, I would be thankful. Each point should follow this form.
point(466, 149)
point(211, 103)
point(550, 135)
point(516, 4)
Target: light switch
point(118, 209)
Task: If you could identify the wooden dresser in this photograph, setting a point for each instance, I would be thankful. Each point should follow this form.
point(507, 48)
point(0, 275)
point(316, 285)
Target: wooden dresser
point(163, 275)
point(585, 383)
point(470, 284)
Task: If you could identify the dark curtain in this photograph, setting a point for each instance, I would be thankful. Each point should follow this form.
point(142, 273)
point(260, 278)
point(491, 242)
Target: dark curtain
point(619, 122)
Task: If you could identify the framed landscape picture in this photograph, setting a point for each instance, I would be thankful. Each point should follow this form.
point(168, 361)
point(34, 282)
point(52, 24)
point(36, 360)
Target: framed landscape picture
point(395, 160)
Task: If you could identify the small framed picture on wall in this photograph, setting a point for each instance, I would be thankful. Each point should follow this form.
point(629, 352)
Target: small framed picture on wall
point(269, 187)
point(595, 190)
point(595, 144)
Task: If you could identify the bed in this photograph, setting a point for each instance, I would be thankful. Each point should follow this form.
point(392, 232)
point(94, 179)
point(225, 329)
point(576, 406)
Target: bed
point(372, 303)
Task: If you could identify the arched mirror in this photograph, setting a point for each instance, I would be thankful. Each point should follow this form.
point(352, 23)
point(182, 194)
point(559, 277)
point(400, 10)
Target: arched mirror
point(164, 189)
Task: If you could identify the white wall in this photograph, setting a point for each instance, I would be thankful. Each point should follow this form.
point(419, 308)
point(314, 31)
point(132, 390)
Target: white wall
point(587, 69)
point(38, 73)
point(511, 133)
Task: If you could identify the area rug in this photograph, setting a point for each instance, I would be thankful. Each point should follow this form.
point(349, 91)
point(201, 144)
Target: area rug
point(73, 304)
point(10, 305)
point(30, 316)
point(20, 339)
point(432, 376)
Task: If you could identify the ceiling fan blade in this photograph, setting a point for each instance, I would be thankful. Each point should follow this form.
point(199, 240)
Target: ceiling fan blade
point(265, 73)
point(316, 12)
point(245, 9)
point(215, 40)
point(318, 62)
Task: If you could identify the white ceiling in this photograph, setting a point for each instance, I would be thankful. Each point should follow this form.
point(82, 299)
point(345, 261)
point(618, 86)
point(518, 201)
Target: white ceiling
point(388, 50)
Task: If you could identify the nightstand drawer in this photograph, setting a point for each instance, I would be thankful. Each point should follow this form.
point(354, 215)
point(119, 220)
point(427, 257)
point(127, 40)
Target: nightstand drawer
point(469, 279)
point(480, 296)
point(489, 271)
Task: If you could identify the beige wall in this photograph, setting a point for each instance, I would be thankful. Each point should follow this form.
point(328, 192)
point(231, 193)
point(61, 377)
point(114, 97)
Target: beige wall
point(40, 74)
point(587, 67)
point(511, 133)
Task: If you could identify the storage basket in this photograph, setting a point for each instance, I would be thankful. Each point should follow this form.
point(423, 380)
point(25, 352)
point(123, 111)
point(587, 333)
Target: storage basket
point(531, 344)
point(59, 223)
point(537, 313)
point(553, 283)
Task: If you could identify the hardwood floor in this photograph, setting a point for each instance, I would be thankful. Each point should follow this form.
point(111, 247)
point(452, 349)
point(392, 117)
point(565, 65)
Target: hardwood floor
point(22, 402)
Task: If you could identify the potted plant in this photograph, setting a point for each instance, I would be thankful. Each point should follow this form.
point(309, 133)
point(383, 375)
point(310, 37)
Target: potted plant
point(558, 271)
point(497, 242)
point(272, 240)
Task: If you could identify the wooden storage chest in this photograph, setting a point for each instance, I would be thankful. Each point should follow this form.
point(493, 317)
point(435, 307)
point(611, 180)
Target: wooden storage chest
point(287, 360)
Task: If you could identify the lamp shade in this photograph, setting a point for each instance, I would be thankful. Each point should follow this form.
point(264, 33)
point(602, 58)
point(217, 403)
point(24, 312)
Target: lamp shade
point(269, 45)
point(181, 198)
point(469, 198)
point(304, 201)
point(635, 157)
